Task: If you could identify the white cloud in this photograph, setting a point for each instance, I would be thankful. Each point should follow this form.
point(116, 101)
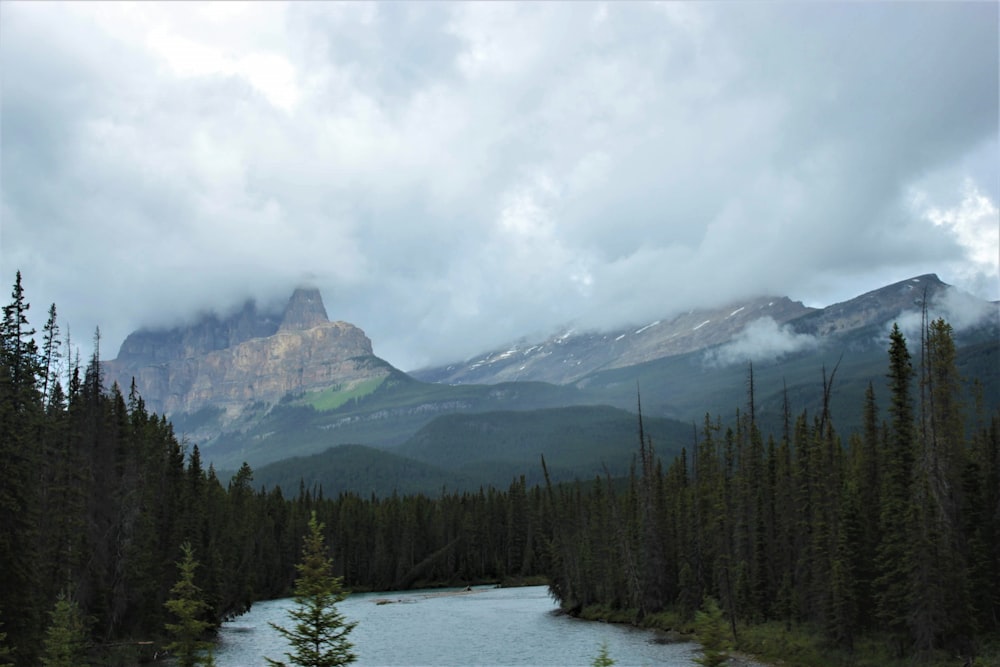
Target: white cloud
point(761, 340)
point(959, 308)
point(457, 175)
point(975, 225)
point(270, 73)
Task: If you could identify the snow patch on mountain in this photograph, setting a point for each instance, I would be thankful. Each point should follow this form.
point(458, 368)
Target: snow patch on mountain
point(648, 326)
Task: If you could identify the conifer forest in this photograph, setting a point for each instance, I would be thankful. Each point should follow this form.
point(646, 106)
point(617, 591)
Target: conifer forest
point(891, 533)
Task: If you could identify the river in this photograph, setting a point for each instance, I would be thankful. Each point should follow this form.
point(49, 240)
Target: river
point(485, 626)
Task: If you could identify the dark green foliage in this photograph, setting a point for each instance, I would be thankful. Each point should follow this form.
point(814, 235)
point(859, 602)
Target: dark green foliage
point(894, 548)
point(21, 416)
point(4, 651)
point(462, 452)
point(362, 470)
point(577, 440)
point(319, 635)
point(107, 477)
point(120, 493)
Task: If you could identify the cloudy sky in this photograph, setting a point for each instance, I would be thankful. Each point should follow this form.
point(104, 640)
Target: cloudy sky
point(455, 176)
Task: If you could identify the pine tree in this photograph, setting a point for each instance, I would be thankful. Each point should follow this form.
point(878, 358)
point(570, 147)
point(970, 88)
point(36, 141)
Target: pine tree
point(50, 354)
point(319, 636)
point(21, 417)
point(895, 550)
point(939, 585)
point(66, 637)
point(864, 473)
point(188, 606)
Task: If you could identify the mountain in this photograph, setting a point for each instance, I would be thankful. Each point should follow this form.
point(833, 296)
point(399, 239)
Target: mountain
point(383, 416)
point(266, 387)
point(463, 452)
point(846, 341)
point(576, 441)
point(571, 356)
point(358, 469)
point(221, 367)
point(567, 356)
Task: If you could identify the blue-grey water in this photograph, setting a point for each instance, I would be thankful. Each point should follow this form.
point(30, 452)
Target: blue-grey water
point(487, 626)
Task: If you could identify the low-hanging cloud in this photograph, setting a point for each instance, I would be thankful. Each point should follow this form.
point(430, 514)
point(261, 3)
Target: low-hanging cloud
point(762, 340)
point(455, 175)
point(958, 308)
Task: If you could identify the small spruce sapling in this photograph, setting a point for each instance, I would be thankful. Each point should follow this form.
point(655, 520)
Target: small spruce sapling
point(603, 659)
point(710, 627)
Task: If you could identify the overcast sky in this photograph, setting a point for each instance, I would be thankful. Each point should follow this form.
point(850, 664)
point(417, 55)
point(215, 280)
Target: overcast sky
point(455, 176)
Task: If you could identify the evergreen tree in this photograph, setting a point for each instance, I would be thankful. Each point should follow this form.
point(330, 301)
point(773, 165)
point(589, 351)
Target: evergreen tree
point(319, 636)
point(50, 354)
point(895, 549)
point(940, 597)
point(188, 606)
point(21, 417)
point(66, 638)
point(710, 628)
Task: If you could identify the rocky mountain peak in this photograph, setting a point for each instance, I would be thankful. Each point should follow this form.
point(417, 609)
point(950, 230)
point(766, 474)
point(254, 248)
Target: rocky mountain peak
point(247, 358)
point(305, 310)
point(878, 307)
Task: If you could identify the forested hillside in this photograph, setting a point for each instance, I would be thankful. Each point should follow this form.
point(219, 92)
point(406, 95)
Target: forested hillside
point(886, 538)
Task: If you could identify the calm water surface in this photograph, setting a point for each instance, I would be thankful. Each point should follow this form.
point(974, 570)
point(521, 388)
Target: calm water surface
point(488, 626)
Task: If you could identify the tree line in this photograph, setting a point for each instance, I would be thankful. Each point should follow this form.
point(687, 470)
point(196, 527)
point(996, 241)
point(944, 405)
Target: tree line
point(891, 533)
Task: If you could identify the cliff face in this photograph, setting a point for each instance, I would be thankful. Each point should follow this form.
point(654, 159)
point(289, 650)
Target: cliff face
point(247, 358)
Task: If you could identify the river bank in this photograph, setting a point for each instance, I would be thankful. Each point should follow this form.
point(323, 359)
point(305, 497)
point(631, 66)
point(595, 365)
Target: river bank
point(777, 644)
point(671, 628)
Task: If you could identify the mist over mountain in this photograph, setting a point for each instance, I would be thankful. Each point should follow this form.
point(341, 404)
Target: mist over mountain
point(249, 358)
point(262, 385)
point(762, 329)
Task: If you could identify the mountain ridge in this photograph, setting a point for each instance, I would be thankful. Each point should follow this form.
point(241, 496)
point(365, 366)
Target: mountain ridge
point(569, 356)
point(259, 386)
